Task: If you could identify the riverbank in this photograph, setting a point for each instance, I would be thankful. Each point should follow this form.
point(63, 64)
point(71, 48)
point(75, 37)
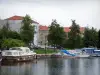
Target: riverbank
point(47, 51)
point(39, 56)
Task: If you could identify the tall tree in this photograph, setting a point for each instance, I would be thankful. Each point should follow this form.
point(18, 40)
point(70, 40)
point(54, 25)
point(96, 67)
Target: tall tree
point(27, 30)
point(98, 39)
point(90, 37)
point(5, 30)
point(74, 40)
point(56, 34)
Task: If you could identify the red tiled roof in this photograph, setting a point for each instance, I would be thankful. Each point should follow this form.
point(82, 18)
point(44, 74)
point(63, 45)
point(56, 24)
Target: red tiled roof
point(43, 27)
point(82, 29)
point(19, 18)
point(15, 18)
point(66, 29)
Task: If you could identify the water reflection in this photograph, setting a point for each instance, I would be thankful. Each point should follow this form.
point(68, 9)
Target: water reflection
point(16, 69)
point(85, 66)
point(55, 66)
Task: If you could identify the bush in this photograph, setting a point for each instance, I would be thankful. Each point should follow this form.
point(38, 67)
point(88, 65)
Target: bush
point(7, 43)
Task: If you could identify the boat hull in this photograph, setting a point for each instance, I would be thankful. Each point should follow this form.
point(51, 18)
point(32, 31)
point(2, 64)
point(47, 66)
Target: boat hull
point(94, 55)
point(63, 56)
point(18, 58)
point(84, 56)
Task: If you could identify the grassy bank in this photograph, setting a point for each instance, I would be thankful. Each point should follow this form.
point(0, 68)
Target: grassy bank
point(43, 51)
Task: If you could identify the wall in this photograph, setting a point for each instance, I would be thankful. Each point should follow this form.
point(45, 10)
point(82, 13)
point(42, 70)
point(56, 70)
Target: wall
point(36, 34)
point(16, 25)
point(42, 37)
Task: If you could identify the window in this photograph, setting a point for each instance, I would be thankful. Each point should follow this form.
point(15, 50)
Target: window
point(14, 48)
point(8, 53)
point(27, 50)
point(15, 53)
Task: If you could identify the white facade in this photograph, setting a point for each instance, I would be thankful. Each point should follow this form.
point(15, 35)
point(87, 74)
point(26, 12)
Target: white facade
point(36, 34)
point(16, 25)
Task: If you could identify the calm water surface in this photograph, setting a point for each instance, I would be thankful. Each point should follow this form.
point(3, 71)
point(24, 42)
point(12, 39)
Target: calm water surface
point(79, 66)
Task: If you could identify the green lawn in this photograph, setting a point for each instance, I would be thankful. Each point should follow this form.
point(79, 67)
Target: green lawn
point(42, 51)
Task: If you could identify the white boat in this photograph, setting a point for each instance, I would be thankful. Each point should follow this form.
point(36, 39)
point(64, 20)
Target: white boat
point(82, 54)
point(73, 53)
point(18, 54)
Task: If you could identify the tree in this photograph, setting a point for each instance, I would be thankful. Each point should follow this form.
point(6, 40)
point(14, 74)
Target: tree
point(27, 30)
point(4, 32)
point(98, 39)
point(56, 34)
point(14, 35)
point(7, 33)
point(90, 37)
point(74, 37)
point(8, 43)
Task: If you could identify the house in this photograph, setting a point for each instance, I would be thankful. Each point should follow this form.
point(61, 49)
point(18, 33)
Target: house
point(15, 23)
point(43, 33)
point(44, 30)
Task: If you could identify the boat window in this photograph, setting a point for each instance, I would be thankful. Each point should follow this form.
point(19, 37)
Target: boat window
point(20, 53)
point(27, 50)
point(8, 53)
point(15, 49)
point(15, 53)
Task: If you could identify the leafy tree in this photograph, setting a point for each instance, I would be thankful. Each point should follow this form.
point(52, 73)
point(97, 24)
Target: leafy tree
point(98, 39)
point(14, 35)
point(56, 34)
point(27, 30)
point(8, 43)
point(90, 37)
point(6, 33)
point(74, 37)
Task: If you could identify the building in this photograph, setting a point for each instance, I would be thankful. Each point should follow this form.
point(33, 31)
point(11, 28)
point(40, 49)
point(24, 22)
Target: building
point(15, 23)
point(43, 32)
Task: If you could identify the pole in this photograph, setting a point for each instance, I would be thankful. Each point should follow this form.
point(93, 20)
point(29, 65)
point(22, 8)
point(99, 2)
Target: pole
point(45, 45)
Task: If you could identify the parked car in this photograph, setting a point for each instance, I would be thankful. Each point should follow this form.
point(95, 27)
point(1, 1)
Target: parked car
point(35, 47)
point(51, 47)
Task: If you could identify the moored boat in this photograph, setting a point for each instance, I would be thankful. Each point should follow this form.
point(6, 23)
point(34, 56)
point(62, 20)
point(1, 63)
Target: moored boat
point(18, 54)
point(71, 54)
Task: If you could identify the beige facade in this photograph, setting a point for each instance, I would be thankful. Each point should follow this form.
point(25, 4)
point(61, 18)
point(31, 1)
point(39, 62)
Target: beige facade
point(43, 33)
point(43, 37)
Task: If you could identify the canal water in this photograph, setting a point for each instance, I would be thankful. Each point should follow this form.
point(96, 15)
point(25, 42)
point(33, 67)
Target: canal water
point(77, 66)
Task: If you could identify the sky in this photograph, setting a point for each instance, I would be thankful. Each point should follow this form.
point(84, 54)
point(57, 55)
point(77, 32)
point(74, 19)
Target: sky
point(85, 12)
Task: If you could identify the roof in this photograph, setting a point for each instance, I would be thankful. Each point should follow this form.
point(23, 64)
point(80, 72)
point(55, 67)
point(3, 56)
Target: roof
point(15, 18)
point(82, 29)
point(43, 27)
point(19, 18)
point(66, 29)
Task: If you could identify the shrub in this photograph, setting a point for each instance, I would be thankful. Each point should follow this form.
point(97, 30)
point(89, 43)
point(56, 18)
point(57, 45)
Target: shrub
point(7, 43)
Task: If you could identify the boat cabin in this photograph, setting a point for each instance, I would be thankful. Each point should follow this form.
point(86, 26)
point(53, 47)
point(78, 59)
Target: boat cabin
point(17, 51)
point(88, 50)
